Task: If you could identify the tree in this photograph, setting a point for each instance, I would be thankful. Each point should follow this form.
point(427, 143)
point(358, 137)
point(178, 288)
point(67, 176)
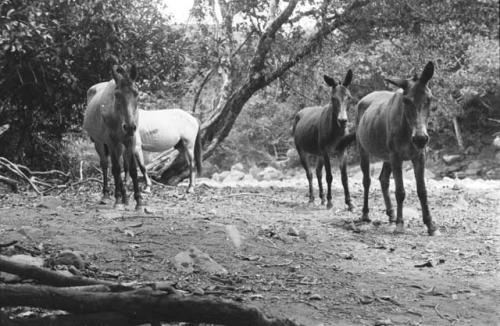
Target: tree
point(271, 34)
point(52, 51)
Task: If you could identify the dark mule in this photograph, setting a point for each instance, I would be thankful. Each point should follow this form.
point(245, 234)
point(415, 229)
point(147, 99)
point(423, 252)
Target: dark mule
point(316, 131)
point(392, 126)
point(111, 120)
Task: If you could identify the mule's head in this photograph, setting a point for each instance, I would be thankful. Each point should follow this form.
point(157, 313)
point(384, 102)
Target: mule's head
point(126, 98)
point(417, 99)
point(340, 97)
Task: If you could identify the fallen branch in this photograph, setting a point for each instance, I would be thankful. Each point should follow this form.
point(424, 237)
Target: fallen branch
point(46, 276)
point(162, 162)
point(15, 169)
point(142, 304)
point(10, 182)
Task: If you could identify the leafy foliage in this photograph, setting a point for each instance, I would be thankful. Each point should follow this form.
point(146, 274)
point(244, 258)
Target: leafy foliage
point(54, 50)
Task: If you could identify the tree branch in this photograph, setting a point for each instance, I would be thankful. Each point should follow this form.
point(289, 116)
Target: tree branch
point(265, 41)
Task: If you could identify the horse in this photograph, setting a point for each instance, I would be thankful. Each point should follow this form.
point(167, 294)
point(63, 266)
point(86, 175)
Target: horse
point(392, 126)
point(160, 130)
point(316, 131)
point(111, 120)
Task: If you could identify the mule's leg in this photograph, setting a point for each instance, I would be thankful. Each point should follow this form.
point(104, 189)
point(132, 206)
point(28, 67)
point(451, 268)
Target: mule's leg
point(384, 177)
point(419, 169)
point(345, 183)
point(319, 176)
point(329, 178)
point(139, 157)
point(189, 153)
point(305, 164)
point(397, 170)
point(130, 156)
point(365, 168)
point(103, 153)
point(120, 192)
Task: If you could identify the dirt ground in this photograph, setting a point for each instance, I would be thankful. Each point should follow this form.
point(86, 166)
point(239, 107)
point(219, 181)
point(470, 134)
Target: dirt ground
point(331, 273)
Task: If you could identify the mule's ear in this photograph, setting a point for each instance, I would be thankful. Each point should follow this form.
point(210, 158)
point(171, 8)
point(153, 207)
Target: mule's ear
point(427, 73)
point(330, 81)
point(401, 83)
point(117, 72)
point(348, 78)
point(133, 72)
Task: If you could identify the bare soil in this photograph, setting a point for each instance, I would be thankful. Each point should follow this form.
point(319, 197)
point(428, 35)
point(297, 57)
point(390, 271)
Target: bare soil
point(332, 273)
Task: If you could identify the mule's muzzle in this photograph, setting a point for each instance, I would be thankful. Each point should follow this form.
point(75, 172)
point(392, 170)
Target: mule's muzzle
point(420, 140)
point(129, 129)
point(342, 122)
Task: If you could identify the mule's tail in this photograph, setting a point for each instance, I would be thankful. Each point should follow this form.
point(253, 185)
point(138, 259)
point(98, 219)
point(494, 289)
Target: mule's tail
point(345, 141)
point(197, 151)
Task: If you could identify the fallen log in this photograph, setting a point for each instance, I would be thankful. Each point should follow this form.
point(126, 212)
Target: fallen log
point(48, 277)
point(95, 319)
point(142, 305)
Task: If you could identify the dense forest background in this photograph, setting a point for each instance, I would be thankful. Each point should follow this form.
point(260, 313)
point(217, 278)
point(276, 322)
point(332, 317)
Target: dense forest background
point(244, 68)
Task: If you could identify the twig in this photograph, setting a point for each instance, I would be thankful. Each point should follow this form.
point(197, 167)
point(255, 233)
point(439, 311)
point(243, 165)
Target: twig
point(441, 315)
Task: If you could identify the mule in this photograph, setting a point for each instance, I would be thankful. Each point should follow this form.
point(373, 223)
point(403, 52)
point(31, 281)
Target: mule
point(392, 126)
point(317, 130)
point(160, 130)
point(111, 120)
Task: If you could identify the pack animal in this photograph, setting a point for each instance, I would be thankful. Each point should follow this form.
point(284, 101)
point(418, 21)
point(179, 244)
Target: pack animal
point(111, 120)
point(160, 130)
point(392, 126)
point(317, 130)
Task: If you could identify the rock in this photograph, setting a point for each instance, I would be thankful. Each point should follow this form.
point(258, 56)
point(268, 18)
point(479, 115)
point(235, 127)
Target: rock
point(233, 234)
point(254, 172)
point(69, 258)
point(293, 231)
point(194, 259)
point(238, 167)
point(450, 159)
point(475, 165)
point(249, 178)
point(496, 142)
point(222, 176)
point(33, 234)
point(270, 173)
point(50, 202)
point(234, 176)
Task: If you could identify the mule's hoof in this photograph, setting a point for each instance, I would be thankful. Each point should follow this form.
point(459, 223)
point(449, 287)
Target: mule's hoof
point(322, 202)
point(434, 233)
point(190, 190)
point(350, 207)
point(147, 190)
point(400, 229)
point(139, 207)
point(329, 205)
